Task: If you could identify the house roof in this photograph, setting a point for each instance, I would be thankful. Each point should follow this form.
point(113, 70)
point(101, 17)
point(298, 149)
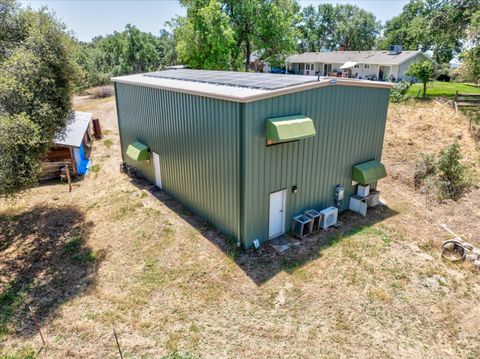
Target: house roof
point(363, 57)
point(236, 86)
point(75, 130)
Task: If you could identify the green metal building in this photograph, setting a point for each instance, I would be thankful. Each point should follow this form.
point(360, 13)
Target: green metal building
point(231, 145)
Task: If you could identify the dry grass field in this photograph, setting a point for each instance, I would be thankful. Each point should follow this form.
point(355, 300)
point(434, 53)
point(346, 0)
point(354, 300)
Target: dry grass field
point(112, 254)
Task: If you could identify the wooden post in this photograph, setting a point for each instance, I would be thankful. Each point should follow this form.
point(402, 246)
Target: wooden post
point(74, 163)
point(118, 344)
point(36, 324)
point(68, 179)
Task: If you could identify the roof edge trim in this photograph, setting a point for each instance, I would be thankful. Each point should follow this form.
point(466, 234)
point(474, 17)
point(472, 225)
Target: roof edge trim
point(130, 80)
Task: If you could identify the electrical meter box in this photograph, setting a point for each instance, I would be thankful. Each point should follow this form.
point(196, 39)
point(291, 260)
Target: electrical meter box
point(339, 192)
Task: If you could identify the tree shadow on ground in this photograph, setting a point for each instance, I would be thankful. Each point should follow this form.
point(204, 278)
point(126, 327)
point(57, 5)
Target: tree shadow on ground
point(263, 264)
point(44, 262)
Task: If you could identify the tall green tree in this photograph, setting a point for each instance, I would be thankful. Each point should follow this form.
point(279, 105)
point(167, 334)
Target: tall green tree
point(205, 38)
point(166, 48)
point(237, 29)
point(439, 26)
point(265, 26)
point(329, 26)
point(471, 55)
point(37, 76)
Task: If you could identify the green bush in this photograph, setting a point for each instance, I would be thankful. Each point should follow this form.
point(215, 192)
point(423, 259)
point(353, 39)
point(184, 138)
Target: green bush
point(446, 174)
point(451, 172)
point(397, 94)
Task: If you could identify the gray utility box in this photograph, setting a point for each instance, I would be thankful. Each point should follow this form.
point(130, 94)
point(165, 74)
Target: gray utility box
point(316, 219)
point(302, 226)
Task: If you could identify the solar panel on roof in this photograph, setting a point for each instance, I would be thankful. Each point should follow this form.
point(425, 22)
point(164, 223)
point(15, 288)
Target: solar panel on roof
point(261, 81)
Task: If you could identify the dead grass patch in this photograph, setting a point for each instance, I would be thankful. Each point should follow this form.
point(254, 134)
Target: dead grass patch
point(170, 283)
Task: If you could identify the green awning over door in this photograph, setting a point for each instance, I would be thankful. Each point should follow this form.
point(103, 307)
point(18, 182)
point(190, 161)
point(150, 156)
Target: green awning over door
point(289, 128)
point(138, 151)
point(369, 172)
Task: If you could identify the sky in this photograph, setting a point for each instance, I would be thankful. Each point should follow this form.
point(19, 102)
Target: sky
point(89, 18)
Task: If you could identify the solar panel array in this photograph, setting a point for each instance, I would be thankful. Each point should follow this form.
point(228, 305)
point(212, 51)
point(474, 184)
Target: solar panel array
point(263, 81)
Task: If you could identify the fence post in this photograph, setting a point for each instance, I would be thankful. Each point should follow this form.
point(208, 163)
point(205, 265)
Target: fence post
point(118, 344)
point(36, 324)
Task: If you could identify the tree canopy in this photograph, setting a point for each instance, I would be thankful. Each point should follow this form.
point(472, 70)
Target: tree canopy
point(228, 32)
point(205, 38)
point(126, 52)
point(37, 76)
point(329, 26)
point(439, 26)
point(421, 71)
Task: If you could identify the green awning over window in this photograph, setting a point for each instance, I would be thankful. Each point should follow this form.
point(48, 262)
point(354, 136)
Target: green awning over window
point(369, 172)
point(138, 151)
point(289, 128)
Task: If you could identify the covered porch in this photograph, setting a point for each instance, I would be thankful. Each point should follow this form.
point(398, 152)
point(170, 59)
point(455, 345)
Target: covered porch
point(348, 69)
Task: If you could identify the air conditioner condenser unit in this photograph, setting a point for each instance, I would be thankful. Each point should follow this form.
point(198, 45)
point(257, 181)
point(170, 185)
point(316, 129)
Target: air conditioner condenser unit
point(316, 219)
point(329, 217)
point(302, 226)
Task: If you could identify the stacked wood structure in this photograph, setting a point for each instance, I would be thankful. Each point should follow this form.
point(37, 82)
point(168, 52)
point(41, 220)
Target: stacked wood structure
point(71, 148)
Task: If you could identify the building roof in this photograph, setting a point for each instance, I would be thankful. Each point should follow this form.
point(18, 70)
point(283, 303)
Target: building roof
point(236, 86)
point(363, 57)
point(75, 130)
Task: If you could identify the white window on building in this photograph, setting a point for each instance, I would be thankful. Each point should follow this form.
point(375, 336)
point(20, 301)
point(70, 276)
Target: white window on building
point(357, 66)
point(310, 66)
point(367, 66)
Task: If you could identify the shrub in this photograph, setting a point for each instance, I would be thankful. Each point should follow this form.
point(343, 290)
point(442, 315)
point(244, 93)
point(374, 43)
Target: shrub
point(451, 172)
point(424, 168)
point(399, 90)
point(101, 91)
point(443, 78)
point(447, 175)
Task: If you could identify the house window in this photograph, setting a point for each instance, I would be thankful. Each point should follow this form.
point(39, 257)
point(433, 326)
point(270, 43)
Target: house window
point(367, 66)
point(357, 66)
point(310, 66)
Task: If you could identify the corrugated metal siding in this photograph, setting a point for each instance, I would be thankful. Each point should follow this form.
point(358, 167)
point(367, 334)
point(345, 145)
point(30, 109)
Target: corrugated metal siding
point(198, 141)
point(350, 125)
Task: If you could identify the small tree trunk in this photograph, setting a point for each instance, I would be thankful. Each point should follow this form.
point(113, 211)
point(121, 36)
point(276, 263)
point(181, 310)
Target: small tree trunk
point(248, 51)
point(424, 90)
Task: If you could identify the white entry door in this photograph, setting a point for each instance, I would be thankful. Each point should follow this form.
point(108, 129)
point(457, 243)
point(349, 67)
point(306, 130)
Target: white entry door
point(277, 214)
point(156, 167)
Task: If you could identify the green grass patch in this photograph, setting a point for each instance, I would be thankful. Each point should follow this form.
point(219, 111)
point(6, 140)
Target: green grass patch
point(127, 209)
point(11, 299)
point(95, 168)
point(445, 89)
point(25, 353)
point(74, 248)
point(108, 143)
point(179, 356)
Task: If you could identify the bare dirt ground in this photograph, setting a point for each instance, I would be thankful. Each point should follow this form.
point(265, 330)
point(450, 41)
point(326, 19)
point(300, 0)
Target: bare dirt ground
point(113, 254)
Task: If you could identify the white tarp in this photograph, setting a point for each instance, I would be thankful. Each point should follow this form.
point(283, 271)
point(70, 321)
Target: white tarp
point(348, 65)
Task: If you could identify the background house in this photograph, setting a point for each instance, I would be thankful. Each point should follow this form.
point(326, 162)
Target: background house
point(374, 65)
point(248, 151)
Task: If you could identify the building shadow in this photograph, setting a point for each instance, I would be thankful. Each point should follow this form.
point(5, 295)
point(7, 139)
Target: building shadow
point(263, 264)
point(44, 262)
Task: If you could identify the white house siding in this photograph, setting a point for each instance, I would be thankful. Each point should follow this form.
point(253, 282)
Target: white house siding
point(394, 71)
point(404, 67)
point(363, 72)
